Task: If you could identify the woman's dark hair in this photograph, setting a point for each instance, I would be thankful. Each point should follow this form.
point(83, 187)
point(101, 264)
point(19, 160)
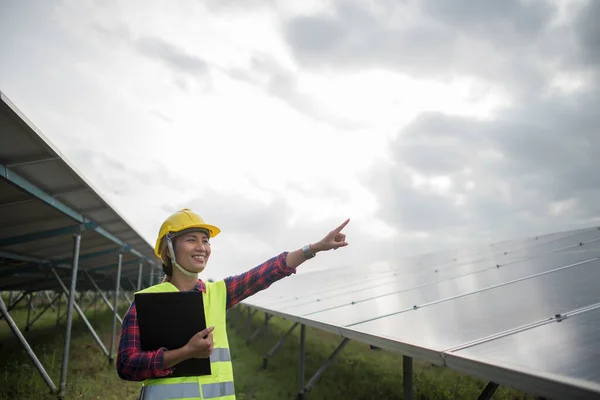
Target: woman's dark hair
point(167, 265)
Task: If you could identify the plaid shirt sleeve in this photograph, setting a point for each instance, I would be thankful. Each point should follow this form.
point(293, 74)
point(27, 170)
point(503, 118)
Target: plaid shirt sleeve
point(242, 286)
point(133, 364)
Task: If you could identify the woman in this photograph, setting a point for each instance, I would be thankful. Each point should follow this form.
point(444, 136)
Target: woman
point(183, 245)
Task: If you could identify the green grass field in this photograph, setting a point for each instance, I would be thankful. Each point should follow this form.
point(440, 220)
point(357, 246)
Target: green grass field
point(357, 373)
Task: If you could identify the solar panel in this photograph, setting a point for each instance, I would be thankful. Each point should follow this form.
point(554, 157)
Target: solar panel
point(402, 294)
point(458, 308)
point(567, 349)
point(456, 321)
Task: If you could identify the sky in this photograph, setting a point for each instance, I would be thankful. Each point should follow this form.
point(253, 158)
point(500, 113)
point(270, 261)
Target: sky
point(431, 125)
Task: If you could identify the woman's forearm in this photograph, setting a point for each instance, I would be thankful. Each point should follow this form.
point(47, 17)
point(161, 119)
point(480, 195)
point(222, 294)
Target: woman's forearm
point(173, 357)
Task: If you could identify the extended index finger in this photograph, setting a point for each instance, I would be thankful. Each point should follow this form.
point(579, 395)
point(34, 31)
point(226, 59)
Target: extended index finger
point(339, 228)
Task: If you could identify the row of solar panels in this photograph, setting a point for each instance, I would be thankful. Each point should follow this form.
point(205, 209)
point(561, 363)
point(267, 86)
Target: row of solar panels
point(44, 201)
point(524, 313)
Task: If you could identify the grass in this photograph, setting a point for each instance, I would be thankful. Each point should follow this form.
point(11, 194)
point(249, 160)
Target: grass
point(357, 373)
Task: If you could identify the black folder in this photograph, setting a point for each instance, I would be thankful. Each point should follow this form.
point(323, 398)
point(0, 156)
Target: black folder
point(170, 320)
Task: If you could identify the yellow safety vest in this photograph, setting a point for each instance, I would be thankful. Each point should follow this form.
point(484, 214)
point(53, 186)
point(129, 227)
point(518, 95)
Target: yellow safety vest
point(218, 385)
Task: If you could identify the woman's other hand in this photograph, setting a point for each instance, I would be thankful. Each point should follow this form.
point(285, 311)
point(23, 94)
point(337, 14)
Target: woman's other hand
point(201, 344)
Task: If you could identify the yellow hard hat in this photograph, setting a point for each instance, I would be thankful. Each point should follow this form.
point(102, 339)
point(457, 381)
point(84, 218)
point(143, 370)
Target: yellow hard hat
point(180, 221)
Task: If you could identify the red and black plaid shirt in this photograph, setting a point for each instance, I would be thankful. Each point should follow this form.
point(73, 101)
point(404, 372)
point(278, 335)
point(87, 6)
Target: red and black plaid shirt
point(133, 364)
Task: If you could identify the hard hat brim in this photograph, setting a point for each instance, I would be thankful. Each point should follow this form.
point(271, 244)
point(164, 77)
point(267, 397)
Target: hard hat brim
point(212, 230)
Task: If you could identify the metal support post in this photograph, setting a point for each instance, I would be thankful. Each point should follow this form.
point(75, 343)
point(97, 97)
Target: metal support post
point(407, 374)
point(249, 323)
point(267, 317)
point(116, 310)
point(15, 330)
point(82, 315)
point(301, 363)
point(58, 308)
point(139, 281)
point(29, 307)
point(326, 364)
point(151, 276)
point(65, 360)
point(278, 345)
point(103, 295)
point(488, 391)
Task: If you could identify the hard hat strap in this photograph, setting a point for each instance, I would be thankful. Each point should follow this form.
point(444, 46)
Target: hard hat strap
point(174, 261)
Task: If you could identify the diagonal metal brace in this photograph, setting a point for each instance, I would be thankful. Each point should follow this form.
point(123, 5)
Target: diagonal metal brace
point(81, 314)
point(488, 391)
point(51, 304)
point(108, 303)
point(10, 307)
point(15, 329)
point(278, 345)
point(326, 364)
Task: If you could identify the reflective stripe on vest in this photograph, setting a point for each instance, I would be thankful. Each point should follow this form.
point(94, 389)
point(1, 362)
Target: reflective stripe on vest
point(220, 354)
point(187, 390)
point(171, 391)
point(212, 390)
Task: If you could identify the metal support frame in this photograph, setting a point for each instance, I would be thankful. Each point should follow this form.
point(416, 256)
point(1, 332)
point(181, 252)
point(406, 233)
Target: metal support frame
point(67, 346)
point(49, 299)
point(98, 290)
point(407, 376)
point(82, 315)
point(29, 307)
point(311, 382)
point(488, 391)
point(266, 328)
point(30, 237)
point(301, 362)
point(111, 357)
point(304, 389)
point(58, 309)
point(253, 336)
point(124, 293)
point(278, 345)
point(11, 306)
point(15, 329)
point(139, 281)
point(50, 304)
point(151, 277)
point(19, 181)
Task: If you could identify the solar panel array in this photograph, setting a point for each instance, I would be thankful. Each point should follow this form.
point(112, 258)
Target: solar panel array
point(524, 313)
point(43, 202)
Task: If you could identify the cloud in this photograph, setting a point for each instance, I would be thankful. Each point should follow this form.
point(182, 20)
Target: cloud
point(273, 155)
point(529, 170)
point(171, 55)
point(588, 32)
point(268, 74)
point(514, 44)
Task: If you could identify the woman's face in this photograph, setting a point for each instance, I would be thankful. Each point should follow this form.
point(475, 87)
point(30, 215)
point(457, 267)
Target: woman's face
point(192, 251)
